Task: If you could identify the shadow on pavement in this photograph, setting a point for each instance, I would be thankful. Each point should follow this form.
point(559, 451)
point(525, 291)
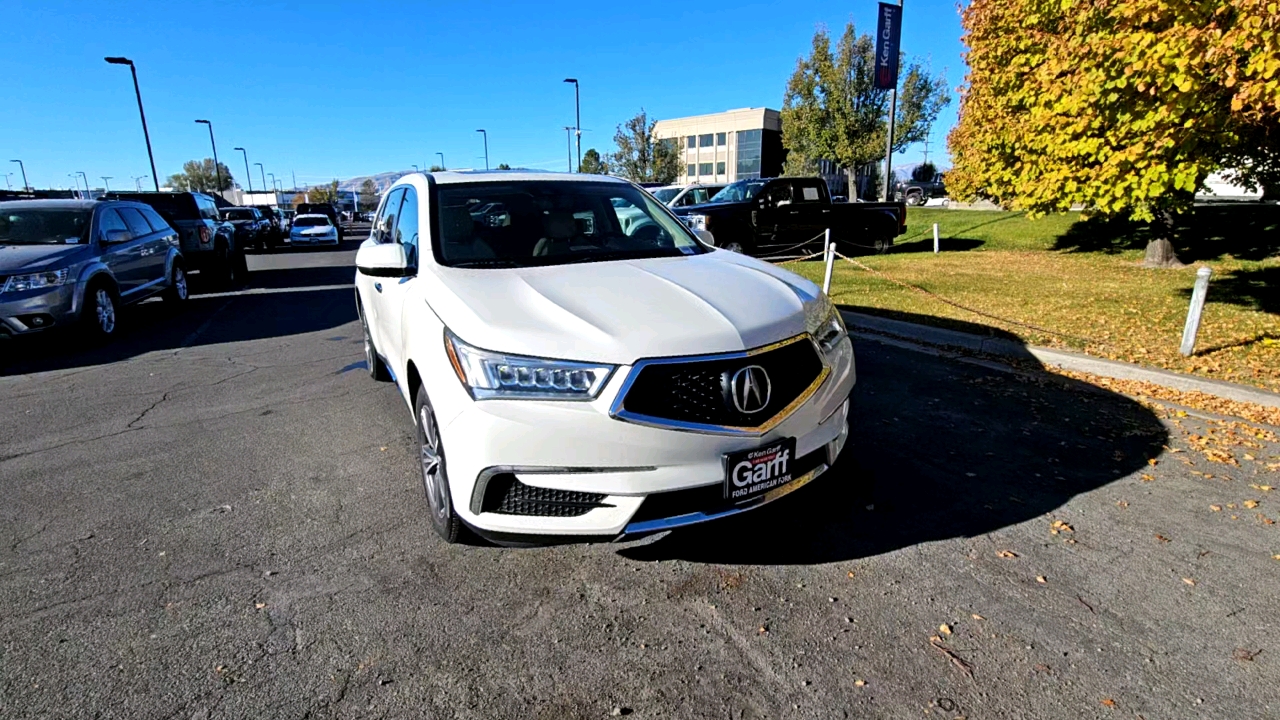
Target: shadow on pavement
point(938, 449)
point(273, 303)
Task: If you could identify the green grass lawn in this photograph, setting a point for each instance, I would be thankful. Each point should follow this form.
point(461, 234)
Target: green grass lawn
point(1079, 283)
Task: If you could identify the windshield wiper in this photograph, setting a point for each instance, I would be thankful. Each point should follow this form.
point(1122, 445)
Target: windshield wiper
point(491, 262)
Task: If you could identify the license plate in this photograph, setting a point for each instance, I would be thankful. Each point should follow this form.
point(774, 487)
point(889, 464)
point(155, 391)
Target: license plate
point(750, 473)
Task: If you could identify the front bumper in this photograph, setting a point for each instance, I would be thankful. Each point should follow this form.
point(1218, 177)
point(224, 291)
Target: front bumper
point(580, 448)
point(32, 311)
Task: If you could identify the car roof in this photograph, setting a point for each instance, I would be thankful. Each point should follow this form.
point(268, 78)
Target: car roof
point(457, 177)
point(51, 204)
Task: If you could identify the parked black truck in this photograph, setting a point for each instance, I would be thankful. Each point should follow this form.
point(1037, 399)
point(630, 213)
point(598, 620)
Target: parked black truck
point(208, 243)
point(769, 216)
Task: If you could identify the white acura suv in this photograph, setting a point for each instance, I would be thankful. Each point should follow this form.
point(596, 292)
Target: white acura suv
point(572, 378)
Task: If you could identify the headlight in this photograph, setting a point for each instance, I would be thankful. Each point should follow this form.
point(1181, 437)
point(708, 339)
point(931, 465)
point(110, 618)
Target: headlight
point(697, 222)
point(495, 375)
point(36, 281)
point(822, 320)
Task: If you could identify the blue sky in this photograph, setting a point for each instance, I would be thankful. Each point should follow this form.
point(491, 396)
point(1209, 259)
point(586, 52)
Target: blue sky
point(329, 90)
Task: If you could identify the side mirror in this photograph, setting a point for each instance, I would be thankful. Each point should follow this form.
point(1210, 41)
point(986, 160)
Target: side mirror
point(114, 237)
point(383, 260)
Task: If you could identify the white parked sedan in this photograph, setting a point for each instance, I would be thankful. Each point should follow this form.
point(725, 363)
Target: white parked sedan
point(313, 230)
point(569, 377)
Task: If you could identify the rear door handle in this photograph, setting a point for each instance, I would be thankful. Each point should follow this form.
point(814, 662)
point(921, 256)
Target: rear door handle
point(377, 286)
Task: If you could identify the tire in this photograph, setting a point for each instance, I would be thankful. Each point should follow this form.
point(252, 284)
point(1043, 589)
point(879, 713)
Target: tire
point(882, 244)
point(915, 199)
point(100, 311)
point(377, 369)
point(178, 290)
point(435, 478)
point(224, 266)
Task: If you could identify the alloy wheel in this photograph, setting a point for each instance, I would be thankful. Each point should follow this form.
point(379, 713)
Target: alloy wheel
point(180, 283)
point(106, 311)
point(432, 458)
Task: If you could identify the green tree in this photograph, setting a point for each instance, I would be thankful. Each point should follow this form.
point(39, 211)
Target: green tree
point(298, 199)
point(593, 164)
point(200, 176)
point(368, 195)
point(503, 166)
point(832, 111)
point(436, 168)
point(641, 157)
point(924, 172)
point(323, 193)
point(1122, 107)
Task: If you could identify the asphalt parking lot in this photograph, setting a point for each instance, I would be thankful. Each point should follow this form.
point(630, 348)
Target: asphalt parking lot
point(219, 515)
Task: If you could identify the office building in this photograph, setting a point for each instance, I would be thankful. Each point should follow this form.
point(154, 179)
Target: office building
point(727, 146)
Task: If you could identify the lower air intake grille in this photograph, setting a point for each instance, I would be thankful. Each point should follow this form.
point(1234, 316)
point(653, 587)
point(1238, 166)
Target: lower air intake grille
point(506, 495)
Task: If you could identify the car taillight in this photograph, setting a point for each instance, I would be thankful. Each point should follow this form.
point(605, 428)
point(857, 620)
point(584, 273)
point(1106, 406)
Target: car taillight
point(205, 235)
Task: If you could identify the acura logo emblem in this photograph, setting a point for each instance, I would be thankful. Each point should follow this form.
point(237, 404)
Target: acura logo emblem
point(750, 389)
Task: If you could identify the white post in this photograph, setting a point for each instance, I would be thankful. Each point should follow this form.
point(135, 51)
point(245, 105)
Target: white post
point(829, 249)
point(935, 239)
point(1193, 313)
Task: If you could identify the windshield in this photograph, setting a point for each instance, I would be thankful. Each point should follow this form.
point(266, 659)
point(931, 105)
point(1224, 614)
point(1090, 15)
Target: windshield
point(666, 195)
point(44, 227)
point(552, 223)
point(237, 215)
point(311, 222)
point(741, 191)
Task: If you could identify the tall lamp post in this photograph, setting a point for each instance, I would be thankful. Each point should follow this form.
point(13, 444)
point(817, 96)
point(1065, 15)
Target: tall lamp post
point(6, 180)
point(106, 185)
point(86, 182)
point(486, 147)
point(137, 182)
point(217, 169)
point(76, 180)
point(141, 113)
point(568, 139)
point(273, 181)
point(577, 116)
point(25, 186)
point(262, 175)
point(441, 160)
point(246, 167)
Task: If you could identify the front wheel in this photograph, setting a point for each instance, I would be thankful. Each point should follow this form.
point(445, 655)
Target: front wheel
point(435, 479)
point(99, 312)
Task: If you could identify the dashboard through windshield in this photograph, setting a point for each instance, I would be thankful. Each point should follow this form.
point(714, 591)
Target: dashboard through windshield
point(552, 222)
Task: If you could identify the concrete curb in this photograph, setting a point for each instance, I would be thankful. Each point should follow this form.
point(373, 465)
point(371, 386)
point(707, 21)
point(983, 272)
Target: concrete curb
point(1059, 358)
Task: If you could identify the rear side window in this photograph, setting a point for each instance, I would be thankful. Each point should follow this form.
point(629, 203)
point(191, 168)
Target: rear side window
point(110, 220)
point(137, 224)
point(208, 210)
point(156, 222)
point(807, 192)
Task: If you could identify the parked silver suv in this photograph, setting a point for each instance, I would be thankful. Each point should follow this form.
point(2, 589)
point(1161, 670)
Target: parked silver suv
point(69, 261)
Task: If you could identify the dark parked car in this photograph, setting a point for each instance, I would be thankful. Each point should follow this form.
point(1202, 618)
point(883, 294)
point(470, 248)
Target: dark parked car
point(64, 262)
point(253, 230)
point(914, 192)
point(325, 209)
point(767, 216)
point(208, 244)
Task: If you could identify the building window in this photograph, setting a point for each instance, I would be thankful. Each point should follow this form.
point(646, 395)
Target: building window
point(689, 170)
point(749, 145)
point(705, 140)
point(689, 142)
point(704, 169)
point(720, 139)
point(720, 168)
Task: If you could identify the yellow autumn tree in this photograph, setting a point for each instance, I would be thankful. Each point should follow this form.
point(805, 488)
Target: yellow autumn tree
point(1122, 106)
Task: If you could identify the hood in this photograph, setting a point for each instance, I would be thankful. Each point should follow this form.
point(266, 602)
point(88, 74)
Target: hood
point(15, 259)
point(618, 312)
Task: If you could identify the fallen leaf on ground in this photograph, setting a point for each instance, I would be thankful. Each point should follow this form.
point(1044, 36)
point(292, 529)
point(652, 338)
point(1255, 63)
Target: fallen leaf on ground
point(1251, 504)
point(1122, 503)
point(1263, 488)
point(1147, 478)
point(850, 573)
point(1060, 526)
point(1246, 655)
point(1108, 702)
point(1041, 579)
point(1162, 538)
point(859, 683)
point(1041, 668)
point(945, 629)
point(976, 616)
point(1189, 581)
point(259, 605)
point(1247, 456)
point(382, 449)
point(1216, 508)
point(1007, 554)
point(1153, 461)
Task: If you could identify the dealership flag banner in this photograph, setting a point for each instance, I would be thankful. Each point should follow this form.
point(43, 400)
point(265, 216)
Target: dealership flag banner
point(888, 33)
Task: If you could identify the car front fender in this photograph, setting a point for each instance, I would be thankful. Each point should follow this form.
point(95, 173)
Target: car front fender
point(87, 273)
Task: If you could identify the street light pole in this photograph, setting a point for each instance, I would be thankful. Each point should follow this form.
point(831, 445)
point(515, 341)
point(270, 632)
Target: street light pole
point(246, 167)
point(577, 117)
point(217, 169)
point(6, 180)
point(441, 160)
point(568, 140)
point(76, 180)
point(106, 185)
point(25, 186)
point(86, 182)
point(486, 147)
point(141, 113)
point(137, 182)
point(262, 174)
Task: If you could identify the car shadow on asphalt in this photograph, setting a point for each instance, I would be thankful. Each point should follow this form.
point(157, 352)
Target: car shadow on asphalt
point(939, 449)
point(272, 303)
